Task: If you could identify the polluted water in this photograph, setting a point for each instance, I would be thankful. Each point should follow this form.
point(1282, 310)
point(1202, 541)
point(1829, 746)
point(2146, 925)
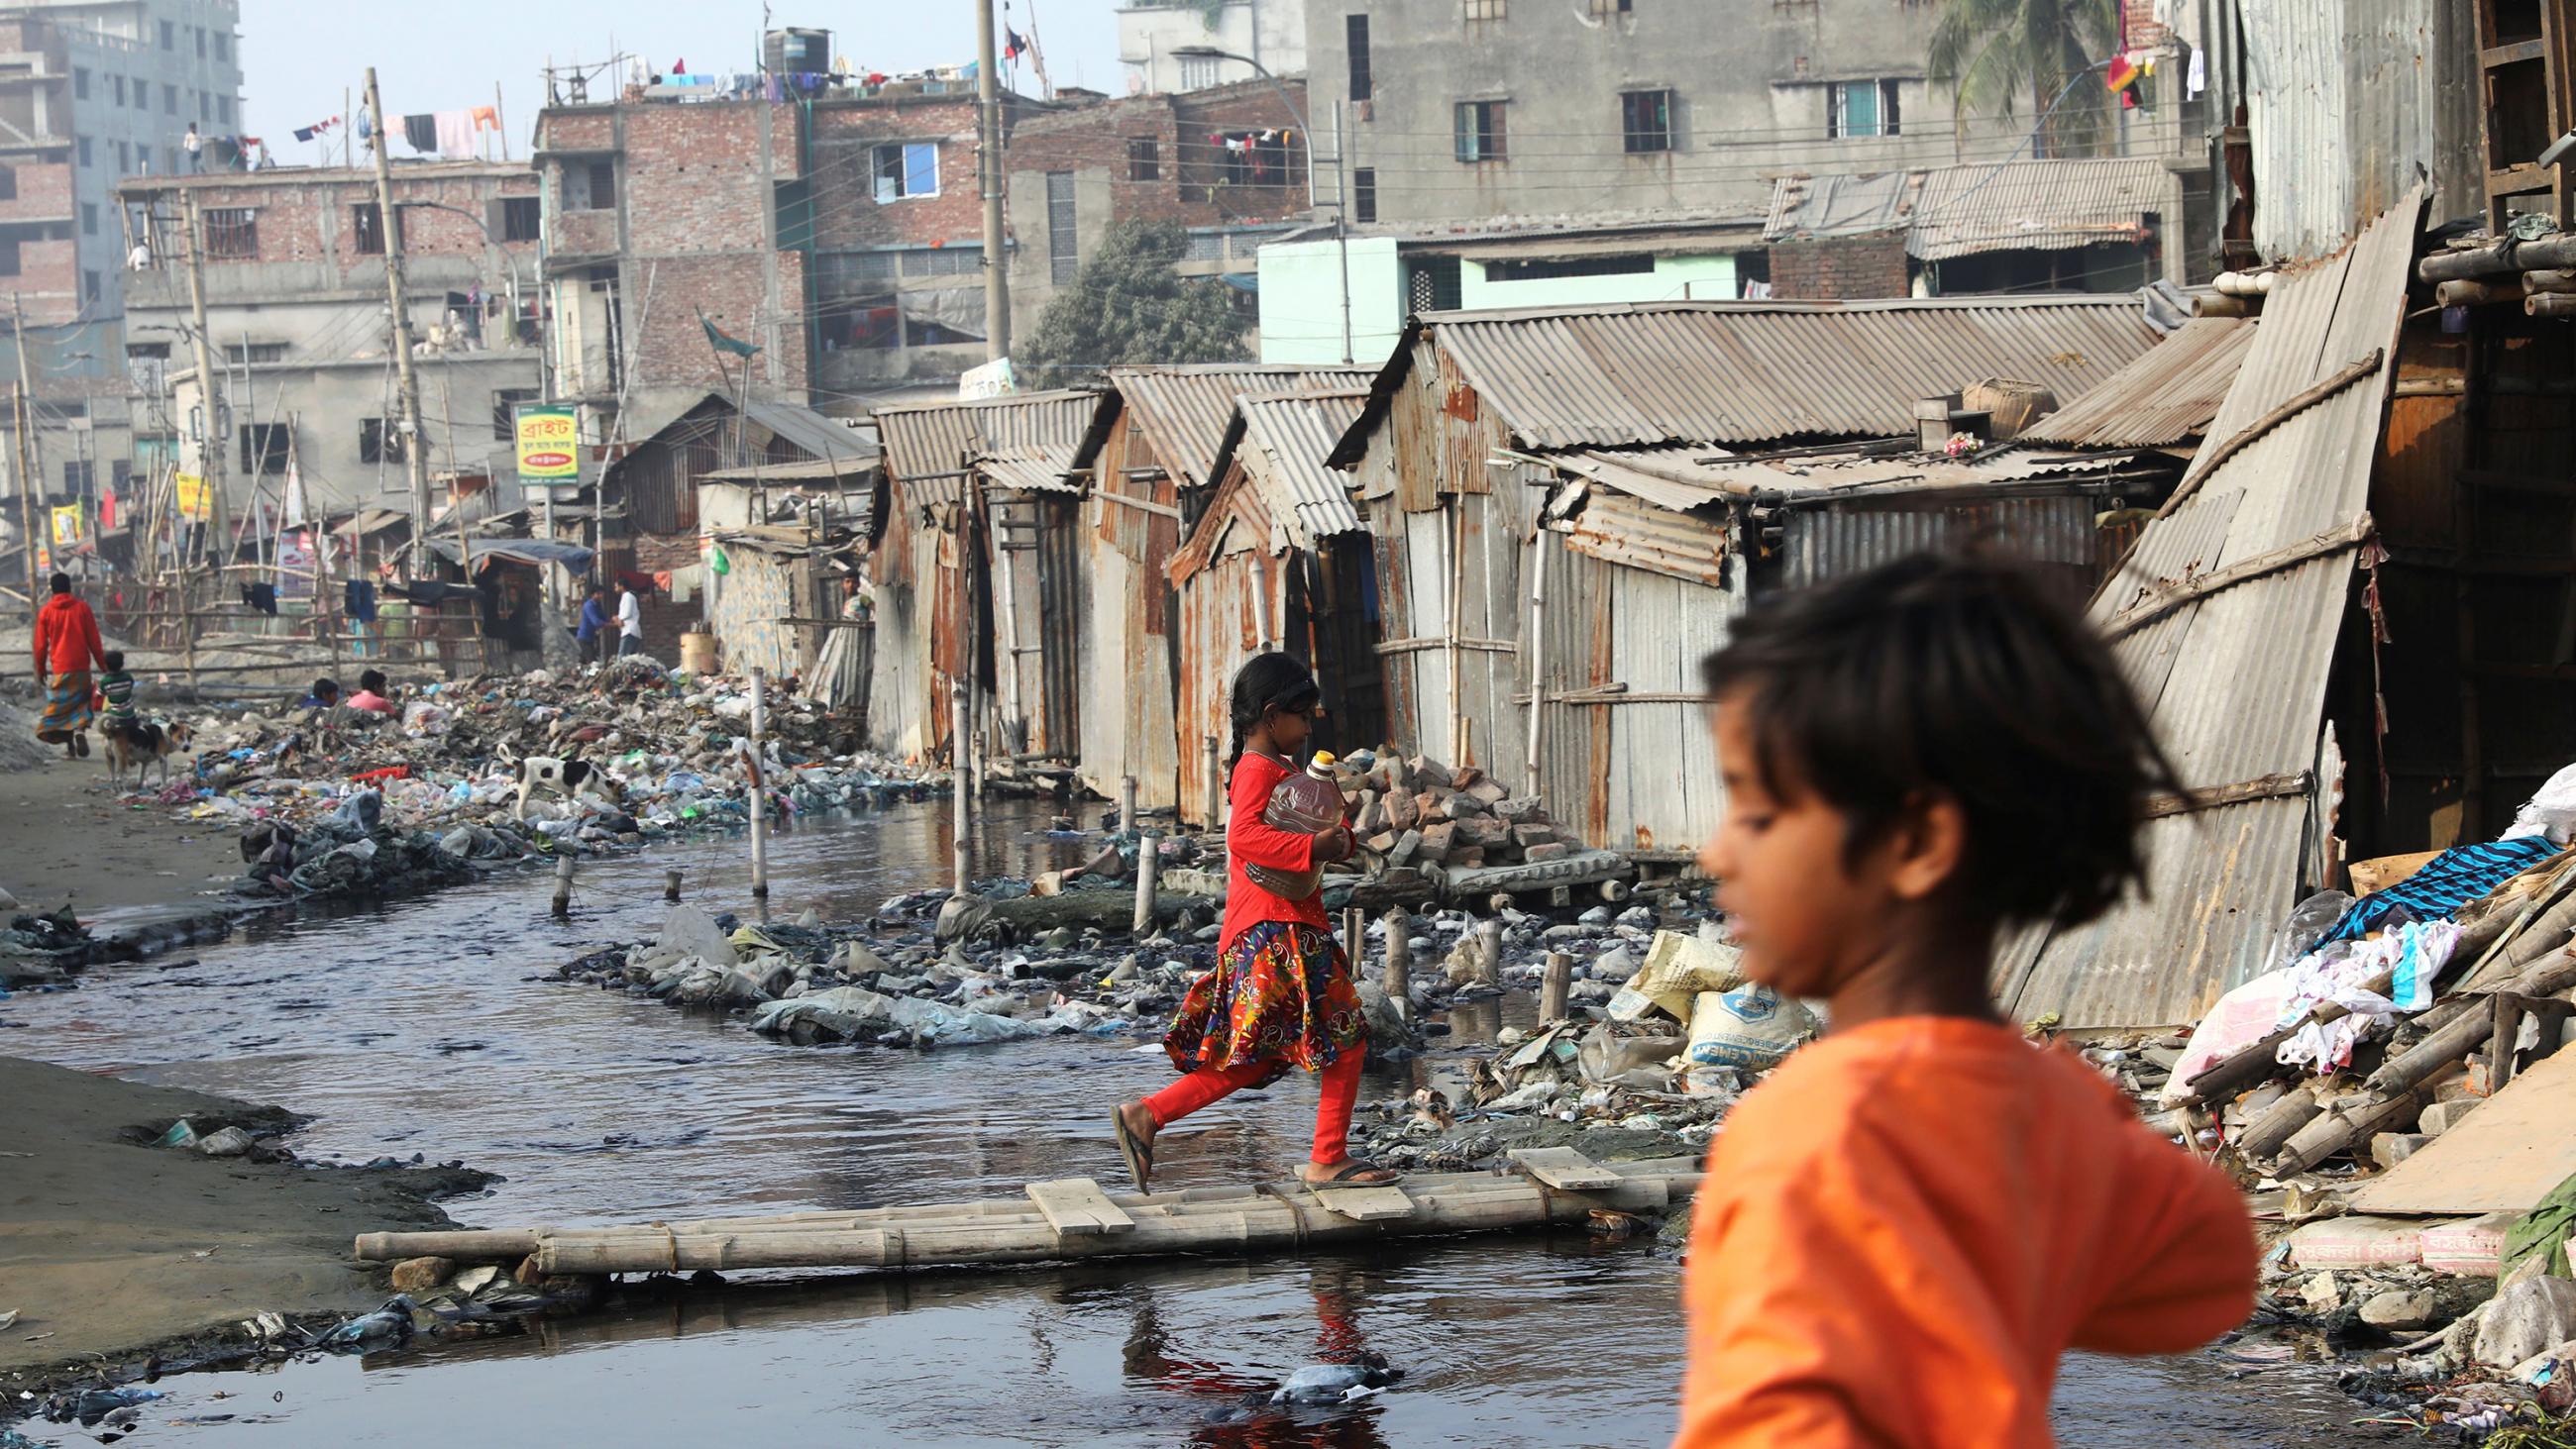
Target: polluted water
point(427, 1027)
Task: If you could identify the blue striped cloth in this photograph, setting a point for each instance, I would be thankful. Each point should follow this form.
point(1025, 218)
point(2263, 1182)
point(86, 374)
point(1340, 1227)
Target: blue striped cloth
point(2447, 882)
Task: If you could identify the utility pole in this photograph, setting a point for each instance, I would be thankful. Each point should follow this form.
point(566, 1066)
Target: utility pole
point(210, 456)
point(988, 159)
point(415, 451)
point(26, 469)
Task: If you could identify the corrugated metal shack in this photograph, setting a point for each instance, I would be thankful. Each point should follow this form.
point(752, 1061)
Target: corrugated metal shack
point(1279, 560)
point(2227, 619)
point(1454, 516)
point(1033, 584)
point(1149, 459)
point(789, 533)
point(925, 545)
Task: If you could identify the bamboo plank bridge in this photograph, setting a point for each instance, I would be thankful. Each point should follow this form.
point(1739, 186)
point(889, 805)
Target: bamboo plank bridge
point(1072, 1218)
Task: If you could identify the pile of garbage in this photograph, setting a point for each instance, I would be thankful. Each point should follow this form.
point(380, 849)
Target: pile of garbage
point(343, 802)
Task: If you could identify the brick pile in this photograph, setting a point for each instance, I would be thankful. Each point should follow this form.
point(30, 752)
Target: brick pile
point(1421, 812)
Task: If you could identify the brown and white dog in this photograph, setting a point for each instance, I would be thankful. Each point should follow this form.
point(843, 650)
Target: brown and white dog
point(142, 745)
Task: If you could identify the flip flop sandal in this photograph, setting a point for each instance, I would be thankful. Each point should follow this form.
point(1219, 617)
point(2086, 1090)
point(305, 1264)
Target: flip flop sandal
point(80, 746)
point(1352, 1167)
point(1138, 1152)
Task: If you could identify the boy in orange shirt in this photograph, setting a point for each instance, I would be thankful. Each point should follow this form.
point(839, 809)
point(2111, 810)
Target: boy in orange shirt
point(1903, 1228)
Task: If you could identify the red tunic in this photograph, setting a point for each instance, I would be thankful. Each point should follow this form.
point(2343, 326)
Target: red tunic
point(1250, 840)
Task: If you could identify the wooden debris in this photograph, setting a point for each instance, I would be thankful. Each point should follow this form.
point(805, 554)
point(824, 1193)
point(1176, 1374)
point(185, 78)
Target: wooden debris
point(1563, 1168)
point(1077, 1205)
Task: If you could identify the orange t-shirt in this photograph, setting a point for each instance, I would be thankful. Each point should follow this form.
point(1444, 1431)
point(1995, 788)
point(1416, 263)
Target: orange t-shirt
point(1904, 1227)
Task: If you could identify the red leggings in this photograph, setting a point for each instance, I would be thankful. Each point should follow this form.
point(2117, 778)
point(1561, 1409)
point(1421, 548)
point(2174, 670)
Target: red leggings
point(1341, 1093)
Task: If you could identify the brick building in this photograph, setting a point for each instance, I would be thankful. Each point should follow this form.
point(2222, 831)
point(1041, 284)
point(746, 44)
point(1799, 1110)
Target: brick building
point(295, 306)
point(1228, 163)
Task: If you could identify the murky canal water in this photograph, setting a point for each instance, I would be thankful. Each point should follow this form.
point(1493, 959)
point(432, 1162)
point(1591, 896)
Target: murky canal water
point(418, 1028)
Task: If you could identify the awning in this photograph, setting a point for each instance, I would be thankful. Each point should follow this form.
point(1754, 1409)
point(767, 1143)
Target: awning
point(573, 557)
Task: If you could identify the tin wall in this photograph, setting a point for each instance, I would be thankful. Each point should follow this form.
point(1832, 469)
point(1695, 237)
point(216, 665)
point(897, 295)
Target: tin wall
point(1126, 647)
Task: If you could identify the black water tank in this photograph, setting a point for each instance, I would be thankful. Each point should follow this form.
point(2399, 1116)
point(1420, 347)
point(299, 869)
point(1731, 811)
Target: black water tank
point(793, 50)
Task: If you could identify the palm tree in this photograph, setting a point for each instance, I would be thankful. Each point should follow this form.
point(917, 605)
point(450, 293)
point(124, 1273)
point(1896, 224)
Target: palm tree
point(1993, 51)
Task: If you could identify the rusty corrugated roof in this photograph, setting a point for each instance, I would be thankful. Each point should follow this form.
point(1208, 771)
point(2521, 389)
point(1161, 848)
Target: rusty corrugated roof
point(2234, 676)
point(1685, 478)
point(1641, 374)
point(2049, 205)
point(1185, 410)
point(1282, 443)
point(927, 444)
point(2162, 399)
point(1029, 467)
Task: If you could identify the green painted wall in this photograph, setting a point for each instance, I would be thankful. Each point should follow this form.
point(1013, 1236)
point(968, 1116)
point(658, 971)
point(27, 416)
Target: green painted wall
point(1301, 301)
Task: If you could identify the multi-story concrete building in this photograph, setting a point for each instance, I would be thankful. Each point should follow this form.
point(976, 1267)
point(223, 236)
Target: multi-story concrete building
point(295, 308)
point(1153, 39)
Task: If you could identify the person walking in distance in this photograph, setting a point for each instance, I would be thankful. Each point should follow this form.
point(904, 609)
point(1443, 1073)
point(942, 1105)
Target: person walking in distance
point(1281, 994)
point(67, 644)
point(630, 620)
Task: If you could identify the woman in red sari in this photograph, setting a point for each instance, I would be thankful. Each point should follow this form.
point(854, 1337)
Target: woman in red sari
point(1281, 994)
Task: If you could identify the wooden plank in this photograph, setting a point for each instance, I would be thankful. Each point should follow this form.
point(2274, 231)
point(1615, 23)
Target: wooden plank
point(2503, 1157)
point(1365, 1204)
point(2513, 53)
point(1076, 1205)
point(1564, 1169)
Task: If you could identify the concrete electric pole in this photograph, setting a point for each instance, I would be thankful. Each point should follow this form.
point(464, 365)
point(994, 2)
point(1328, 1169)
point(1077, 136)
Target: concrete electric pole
point(27, 509)
point(414, 443)
point(210, 404)
point(988, 167)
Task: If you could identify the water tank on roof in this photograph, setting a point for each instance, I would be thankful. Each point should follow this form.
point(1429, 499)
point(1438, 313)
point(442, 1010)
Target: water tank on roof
point(793, 50)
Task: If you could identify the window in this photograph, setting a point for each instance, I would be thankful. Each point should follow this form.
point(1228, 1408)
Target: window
point(89, 218)
point(505, 411)
point(910, 168)
point(124, 158)
point(8, 183)
point(80, 477)
point(1861, 108)
point(169, 99)
point(1144, 159)
point(872, 324)
point(1485, 9)
point(1355, 27)
point(1646, 121)
point(142, 94)
point(1252, 160)
point(245, 354)
point(1200, 72)
point(232, 232)
point(169, 36)
point(85, 159)
point(1064, 256)
point(223, 46)
point(592, 187)
point(379, 441)
point(264, 447)
point(1480, 131)
point(1364, 194)
point(224, 109)
point(522, 218)
point(201, 40)
point(1552, 268)
point(120, 88)
point(367, 229)
point(80, 83)
point(1432, 285)
point(93, 286)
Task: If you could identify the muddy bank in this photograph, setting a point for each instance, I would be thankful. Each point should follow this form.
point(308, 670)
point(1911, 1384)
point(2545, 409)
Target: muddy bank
point(111, 1247)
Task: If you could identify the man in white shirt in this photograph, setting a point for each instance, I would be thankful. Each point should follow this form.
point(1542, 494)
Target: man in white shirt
point(195, 146)
point(630, 621)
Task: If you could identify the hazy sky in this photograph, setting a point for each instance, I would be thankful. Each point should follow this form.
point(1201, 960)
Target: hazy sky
point(300, 55)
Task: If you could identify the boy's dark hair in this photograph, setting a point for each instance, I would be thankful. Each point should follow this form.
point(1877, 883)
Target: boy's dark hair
point(325, 688)
point(372, 681)
point(60, 583)
point(115, 660)
point(1946, 675)
point(1267, 682)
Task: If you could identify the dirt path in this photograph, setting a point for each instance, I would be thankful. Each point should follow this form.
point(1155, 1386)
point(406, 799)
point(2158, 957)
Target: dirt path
point(65, 839)
point(108, 1245)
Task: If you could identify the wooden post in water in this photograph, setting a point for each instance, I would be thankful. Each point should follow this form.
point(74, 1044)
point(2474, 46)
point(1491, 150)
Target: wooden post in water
point(671, 884)
point(1215, 787)
point(1489, 953)
point(957, 785)
point(1127, 805)
point(1148, 863)
point(563, 887)
point(1399, 953)
point(1556, 987)
point(759, 785)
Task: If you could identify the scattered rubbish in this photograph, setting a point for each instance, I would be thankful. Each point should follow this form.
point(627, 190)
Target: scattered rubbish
point(1334, 1383)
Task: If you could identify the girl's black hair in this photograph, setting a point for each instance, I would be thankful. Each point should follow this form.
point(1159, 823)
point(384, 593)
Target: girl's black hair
point(115, 659)
point(372, 681)
point(1964, 677)
point(1267, 682)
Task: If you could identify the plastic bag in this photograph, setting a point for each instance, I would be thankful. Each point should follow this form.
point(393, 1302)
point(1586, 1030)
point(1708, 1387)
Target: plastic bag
point(2551, 810)
point(1678, 968)
point(1752, 1027)
point(2307, 924)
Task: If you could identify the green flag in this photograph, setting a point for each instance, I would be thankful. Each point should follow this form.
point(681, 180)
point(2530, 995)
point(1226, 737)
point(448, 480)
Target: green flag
point(721, 343)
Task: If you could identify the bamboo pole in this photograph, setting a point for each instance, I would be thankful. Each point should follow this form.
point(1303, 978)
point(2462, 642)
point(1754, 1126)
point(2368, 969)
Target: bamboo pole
point(759, 785)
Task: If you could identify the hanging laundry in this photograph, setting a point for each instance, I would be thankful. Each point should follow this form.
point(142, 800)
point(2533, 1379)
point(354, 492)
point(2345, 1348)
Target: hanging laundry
point(421, 134)
point(366, 126)
point(486, 118)
point(2196, 78)
point(456, 135)
point(262, 597)
point(1015, 45)
point(304, 133)
point(361, 601)
point(680, 66)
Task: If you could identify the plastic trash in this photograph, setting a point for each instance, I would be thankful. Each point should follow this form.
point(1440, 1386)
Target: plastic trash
point(1307, 803)
point(1751, 1026)
point(1322, 1384)
point(387, 1327)
point(1678, 968)
point(231, 1142)
point(182, 1133)
point(688, 931)
point(2307, 924)
point(2551, 811)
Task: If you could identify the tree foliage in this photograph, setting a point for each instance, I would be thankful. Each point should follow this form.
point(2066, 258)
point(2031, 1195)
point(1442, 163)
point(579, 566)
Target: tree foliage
point(1130, 304)
point(1997, 51)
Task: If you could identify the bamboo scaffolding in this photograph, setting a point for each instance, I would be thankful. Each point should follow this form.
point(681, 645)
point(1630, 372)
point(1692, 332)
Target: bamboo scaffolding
point(1194, 1220)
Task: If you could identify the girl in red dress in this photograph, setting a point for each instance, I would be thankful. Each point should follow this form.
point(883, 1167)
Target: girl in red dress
point(1281, 994)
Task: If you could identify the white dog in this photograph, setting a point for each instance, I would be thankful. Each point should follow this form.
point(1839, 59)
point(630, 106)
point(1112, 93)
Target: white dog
point(545, 773)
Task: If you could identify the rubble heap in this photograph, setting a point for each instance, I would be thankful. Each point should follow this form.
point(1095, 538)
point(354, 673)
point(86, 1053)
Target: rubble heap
point(1422, 811)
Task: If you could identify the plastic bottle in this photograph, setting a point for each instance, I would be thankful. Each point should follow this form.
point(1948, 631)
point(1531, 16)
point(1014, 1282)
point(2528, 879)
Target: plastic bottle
point(1307, 803)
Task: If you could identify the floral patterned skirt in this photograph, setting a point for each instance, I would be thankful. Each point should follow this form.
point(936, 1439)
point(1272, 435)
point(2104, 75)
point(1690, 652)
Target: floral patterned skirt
point(1281, 994)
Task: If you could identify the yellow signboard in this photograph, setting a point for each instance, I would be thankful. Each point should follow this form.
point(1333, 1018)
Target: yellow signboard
point(194, 500)
point(549, 440)
point(68, 526)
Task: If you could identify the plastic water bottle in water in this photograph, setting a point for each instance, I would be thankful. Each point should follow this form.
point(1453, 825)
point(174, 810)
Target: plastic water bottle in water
point(1308, 803)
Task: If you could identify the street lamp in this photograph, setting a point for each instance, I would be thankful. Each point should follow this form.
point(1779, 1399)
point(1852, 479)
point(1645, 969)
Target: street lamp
point(1341, 206)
